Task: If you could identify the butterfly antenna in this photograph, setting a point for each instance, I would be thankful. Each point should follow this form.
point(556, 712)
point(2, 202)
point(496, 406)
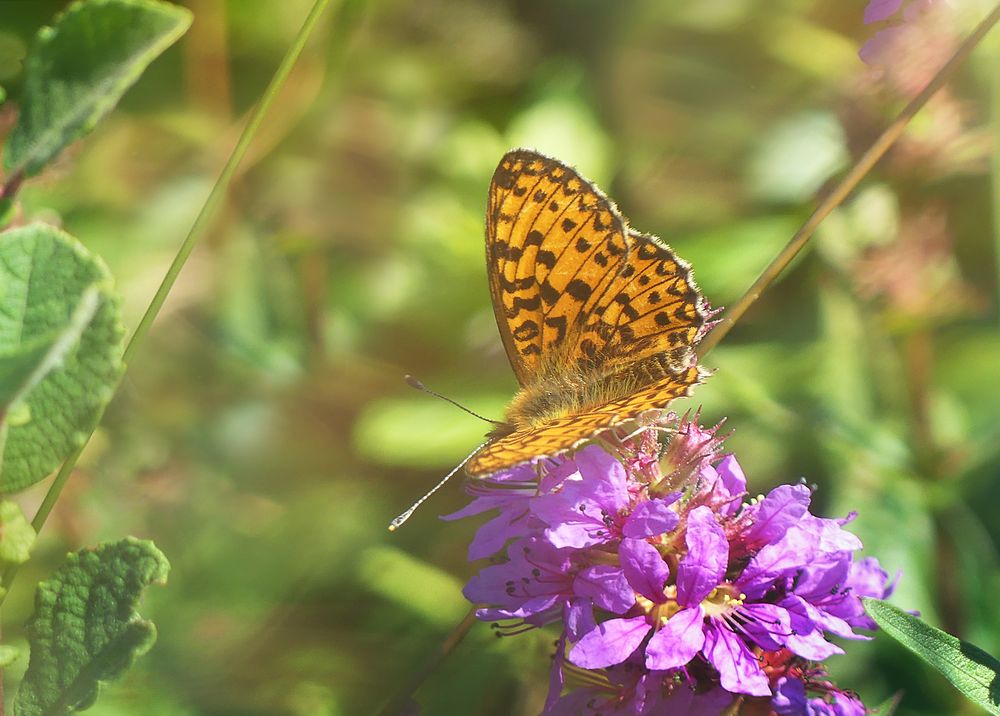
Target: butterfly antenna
point(398, 522)
point(414, 383)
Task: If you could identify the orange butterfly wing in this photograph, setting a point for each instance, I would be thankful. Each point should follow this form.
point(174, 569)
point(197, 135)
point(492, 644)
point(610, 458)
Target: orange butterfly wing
point(574, 288)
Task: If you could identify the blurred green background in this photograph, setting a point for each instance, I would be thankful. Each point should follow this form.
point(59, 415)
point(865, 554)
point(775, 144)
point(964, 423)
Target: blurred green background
point(264, 436)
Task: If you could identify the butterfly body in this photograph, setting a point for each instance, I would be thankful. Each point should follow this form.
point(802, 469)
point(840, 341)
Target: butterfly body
point(598, 320)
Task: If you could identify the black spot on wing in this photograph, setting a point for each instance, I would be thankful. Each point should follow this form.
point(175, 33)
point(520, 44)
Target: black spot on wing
point(523, 304)
point(548, 292)
point(526, 331)
point(647, 250)
point(559, 323)
point(580, 290)
point(534, 238)
point(546, 258)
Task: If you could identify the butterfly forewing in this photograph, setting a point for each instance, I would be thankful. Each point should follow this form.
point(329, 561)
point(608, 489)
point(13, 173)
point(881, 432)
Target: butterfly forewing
point(554, 246)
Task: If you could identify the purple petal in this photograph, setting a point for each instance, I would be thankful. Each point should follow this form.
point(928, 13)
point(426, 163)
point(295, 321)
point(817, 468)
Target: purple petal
point(652, 518)
point(879, 10)
point(808, 625)
point(598, 467)
point(525, 610)
point(578, 616)
point(610, 643)
point(783, 507)
point(824, 578)
point(495, 533)
point(577, 515)
point(768, 625)
point(829, 535)
point(704, 565)
point(868, 579)
point(731, 475)
point(785, 558)
point(789, 697)
point(556, 475)
point(573, 517)
point(607, 586)
point(737, 666)
point(677, 641)
point(556, 679)
point(644, 568)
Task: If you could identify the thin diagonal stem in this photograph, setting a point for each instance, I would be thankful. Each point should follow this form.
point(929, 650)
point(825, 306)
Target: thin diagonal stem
point(402, 701)
point(197, 230)
point(850, 181)
point(995, 162)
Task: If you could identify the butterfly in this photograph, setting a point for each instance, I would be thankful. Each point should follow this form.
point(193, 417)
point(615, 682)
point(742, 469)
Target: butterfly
point(599, 321)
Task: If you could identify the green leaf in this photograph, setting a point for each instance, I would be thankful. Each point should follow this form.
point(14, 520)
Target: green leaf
point(970, 669)
point(85, 629)
point(77, 70)
point(17, 536)
point(61, 355)
point(26, 365)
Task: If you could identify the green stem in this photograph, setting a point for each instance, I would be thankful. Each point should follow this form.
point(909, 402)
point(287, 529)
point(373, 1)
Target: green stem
point(850, 181)
point(402, 701)
point(995, 163)
point(191, 240)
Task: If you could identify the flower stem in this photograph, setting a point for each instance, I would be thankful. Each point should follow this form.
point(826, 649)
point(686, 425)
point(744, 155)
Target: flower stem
point(197, 230)
point(850, 181)
point(402, 701)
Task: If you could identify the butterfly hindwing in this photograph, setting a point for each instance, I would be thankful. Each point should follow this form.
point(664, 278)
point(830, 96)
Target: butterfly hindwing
point(561, 434)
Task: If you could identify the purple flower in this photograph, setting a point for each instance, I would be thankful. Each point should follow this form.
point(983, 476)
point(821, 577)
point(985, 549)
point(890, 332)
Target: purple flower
point(713, 620)
point(675, 593)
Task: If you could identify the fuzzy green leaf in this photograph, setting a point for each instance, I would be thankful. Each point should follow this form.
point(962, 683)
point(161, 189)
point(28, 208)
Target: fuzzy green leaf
point(970, 669)
point(60, 349)
point(17, 536)
point(85, 629)
point(78, 69)
point(26, 364)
